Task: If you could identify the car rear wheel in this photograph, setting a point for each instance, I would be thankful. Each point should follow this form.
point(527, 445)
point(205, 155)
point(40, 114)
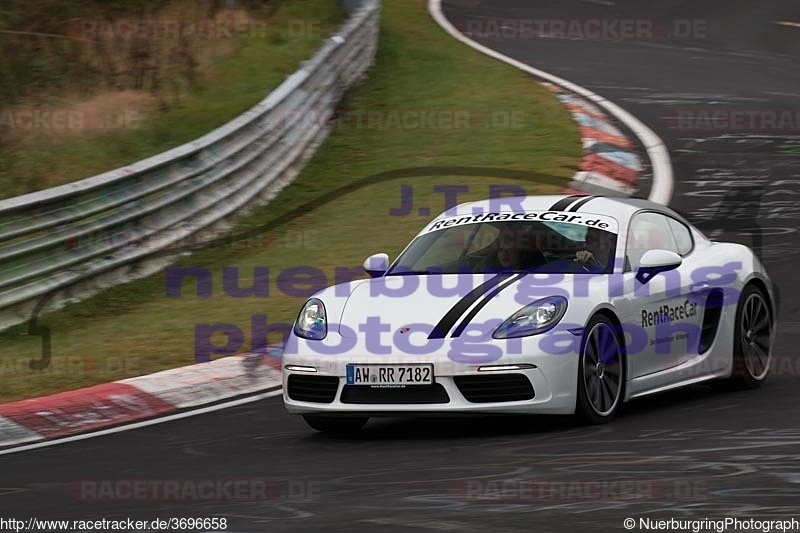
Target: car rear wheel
point(752, 350)
point(335, 424)
point(601, 372)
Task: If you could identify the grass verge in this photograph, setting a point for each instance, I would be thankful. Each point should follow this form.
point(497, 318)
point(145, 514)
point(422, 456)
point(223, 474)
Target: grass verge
point(81, 136)
point(513, 123)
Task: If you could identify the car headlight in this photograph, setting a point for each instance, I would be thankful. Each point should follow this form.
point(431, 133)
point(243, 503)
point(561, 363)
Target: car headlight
point(312, 322)
point(535, 318)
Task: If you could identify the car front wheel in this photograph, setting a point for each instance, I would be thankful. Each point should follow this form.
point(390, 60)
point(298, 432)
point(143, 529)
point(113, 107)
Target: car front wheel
point(601, 372)
point(752, 352)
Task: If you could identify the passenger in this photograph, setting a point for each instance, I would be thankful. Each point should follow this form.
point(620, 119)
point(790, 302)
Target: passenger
point(515, 250)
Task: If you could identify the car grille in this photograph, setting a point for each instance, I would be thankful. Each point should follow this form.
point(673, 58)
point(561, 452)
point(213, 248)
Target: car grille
point(318, 389)
point(411, 394)
point(495, 388)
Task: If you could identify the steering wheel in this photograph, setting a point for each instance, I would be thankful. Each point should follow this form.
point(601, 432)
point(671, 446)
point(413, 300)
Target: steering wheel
point(585, 265)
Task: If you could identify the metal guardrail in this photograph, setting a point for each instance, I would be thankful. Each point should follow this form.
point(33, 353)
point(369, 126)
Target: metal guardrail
point(93, 233)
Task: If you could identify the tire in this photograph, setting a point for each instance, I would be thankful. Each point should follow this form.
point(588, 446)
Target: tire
point(601, 372)
point(335, 425)
point(752, 337)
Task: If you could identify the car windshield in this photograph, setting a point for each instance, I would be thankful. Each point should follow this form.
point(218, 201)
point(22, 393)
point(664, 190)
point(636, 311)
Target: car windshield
point(527, 245)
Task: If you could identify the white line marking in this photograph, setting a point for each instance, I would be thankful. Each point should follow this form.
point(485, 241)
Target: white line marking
point(661, 190)
point(145, 423)
point(742, 447)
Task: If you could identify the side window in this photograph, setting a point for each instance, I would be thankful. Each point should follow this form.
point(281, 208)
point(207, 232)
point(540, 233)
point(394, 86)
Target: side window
point(485, 236)
point(452, 243)
point(682, 235)
point(648, 231)
point(448, 247)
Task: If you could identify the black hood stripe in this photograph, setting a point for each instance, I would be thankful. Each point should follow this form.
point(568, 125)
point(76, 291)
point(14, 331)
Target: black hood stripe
point(562, 204)
point(449, 319)
point(581, 203)
point(475, 310)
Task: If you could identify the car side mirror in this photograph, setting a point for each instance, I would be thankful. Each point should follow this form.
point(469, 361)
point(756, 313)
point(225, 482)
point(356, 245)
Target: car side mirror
point(656, 261)
point(376, 265)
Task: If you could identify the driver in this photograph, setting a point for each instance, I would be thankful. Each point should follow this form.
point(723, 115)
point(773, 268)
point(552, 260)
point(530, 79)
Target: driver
point(597, 249)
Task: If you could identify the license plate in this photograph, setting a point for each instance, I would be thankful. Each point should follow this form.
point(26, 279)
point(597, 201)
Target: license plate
point(389, 375)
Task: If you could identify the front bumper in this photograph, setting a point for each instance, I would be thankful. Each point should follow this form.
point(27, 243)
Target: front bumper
point(553, 378)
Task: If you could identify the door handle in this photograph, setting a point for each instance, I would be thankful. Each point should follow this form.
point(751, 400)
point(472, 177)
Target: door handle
point(700, 286)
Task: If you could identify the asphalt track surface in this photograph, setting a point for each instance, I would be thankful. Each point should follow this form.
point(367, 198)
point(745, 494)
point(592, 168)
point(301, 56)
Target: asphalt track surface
point(702, 453)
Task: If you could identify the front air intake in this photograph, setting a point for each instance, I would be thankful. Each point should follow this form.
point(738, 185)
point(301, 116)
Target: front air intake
point(317, 389)
point(495, 388)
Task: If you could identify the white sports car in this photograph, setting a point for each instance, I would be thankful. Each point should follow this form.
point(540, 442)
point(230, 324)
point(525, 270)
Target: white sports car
point(539, 304)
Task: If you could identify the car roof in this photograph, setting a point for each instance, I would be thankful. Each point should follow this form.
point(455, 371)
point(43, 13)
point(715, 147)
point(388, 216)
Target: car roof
point(621, 208)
